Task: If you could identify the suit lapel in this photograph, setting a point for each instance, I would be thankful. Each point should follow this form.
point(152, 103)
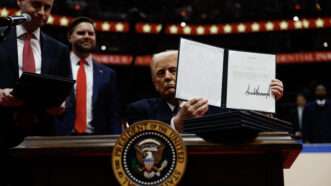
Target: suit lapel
point(45, 46)
point(11, 46)
point(97, 80)
point(164, 111)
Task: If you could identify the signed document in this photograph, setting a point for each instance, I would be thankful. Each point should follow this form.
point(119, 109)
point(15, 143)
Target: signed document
point(199, 72)
point(248, 81)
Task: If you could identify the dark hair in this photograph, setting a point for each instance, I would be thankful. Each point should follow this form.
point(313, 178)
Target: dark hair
point(76, 21)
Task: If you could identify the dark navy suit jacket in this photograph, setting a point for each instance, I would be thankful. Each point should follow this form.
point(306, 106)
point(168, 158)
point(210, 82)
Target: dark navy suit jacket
point(154, 109)
point(105, 108)
point(149, 109)
point(54, 61)
point(317, 123)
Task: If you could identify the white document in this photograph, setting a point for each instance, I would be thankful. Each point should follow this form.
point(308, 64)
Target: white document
point(249, 78)
point(199, 72)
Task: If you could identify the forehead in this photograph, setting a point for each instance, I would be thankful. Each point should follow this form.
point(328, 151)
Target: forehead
point(84, 26)
point(320, 88)
point(165, 62)
point(46, 2)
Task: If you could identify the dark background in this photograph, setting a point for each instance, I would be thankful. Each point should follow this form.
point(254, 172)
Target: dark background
point(135, 82)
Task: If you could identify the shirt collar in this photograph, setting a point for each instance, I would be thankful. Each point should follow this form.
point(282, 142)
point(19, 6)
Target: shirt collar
point(20, 31)
point(321, 102)
point(75, 59)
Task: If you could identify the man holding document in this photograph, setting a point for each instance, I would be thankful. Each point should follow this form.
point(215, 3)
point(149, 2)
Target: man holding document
point(164, 108)
point(27, 49)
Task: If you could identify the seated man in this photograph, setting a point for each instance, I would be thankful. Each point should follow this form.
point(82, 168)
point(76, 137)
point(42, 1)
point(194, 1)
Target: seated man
point(165, 107)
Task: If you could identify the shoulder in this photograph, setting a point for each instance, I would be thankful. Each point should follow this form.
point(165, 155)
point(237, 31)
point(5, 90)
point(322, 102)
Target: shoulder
point(146, 103)
point(52, 41)
point(99, 66)
point(310, 105)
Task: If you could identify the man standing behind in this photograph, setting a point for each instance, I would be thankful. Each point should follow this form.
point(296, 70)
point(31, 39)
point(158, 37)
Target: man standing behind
point(27, 49)
point(93, 107)
point(167, 108)
point(317, 118)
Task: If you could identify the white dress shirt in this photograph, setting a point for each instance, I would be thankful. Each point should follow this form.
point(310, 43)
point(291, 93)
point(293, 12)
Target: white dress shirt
point(89, 85)
point(35, 45)
point(300, 113)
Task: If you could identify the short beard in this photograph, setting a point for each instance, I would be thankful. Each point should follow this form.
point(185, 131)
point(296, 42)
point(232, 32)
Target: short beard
point(81, 49)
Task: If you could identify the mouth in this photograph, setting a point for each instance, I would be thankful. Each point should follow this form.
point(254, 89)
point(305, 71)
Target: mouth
point(169, 86)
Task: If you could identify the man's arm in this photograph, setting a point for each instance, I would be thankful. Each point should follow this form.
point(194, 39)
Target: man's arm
point(113, 105)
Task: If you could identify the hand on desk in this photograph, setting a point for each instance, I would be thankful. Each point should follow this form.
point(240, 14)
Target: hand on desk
point(8, 100)
point(56, 111)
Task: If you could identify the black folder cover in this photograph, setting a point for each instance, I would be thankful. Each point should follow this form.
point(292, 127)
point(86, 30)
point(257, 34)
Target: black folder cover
point(234, 125)
point(42, 91)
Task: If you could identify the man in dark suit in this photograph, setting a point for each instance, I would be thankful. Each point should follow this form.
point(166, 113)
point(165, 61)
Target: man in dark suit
point(296, 115)
point(26, 48)
point(93, 106)
point(167, 108)
point(317, 118)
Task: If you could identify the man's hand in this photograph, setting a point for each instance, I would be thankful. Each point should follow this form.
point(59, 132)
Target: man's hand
point(194, 108)
point(277, 88)
point(56, 111)
point(7, 99)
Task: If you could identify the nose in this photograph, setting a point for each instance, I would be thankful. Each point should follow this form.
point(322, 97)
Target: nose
point(168, 75)
point(42, 10)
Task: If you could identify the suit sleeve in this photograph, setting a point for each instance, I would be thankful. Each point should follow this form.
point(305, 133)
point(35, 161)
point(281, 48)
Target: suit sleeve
point(114, 117)
point(136, 112)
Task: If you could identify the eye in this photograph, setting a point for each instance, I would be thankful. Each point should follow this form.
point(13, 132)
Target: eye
point(173, 70)
point(36, 5)
point(160, 73)
point(80, 33)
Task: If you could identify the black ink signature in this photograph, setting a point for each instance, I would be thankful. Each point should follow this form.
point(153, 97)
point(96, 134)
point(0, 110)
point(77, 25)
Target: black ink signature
point(256, 92)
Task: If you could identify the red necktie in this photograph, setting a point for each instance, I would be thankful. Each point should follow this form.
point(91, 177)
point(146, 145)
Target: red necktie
point(28, 59)
point(80, 119)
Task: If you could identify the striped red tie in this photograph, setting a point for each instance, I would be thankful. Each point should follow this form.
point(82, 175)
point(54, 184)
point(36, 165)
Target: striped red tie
point(81, 118)
point(28, 59)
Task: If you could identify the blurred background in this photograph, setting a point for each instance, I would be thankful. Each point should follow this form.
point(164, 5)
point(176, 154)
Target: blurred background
point(130, 31)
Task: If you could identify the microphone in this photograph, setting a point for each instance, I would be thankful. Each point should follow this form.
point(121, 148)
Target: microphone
point(15, 20)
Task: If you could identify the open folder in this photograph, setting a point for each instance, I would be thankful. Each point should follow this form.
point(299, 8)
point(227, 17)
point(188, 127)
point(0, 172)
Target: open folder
point(42, 91)
point(226, 78)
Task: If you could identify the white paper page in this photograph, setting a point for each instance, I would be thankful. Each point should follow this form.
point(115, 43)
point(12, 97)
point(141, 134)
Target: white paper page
point(249, 78)
point(199, 72)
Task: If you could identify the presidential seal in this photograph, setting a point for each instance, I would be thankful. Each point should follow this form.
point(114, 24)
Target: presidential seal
point(149, 153)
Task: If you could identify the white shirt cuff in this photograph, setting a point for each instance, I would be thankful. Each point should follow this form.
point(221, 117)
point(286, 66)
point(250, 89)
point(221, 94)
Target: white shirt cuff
point(172, 123)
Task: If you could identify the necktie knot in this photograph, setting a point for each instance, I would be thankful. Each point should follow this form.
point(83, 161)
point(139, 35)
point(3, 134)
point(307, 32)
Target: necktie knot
point(27, 36)
point(82, 62)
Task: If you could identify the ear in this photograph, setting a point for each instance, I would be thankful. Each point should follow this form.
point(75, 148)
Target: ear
point(69, 37)
point(19, 2)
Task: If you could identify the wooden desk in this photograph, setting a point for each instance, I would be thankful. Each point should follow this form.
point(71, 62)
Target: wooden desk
point(86, 161)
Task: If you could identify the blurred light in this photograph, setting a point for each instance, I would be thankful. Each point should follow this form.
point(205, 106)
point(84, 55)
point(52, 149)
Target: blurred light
point(183, 24)
point(325, 44)
point(103, 47)
point(296, 18)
